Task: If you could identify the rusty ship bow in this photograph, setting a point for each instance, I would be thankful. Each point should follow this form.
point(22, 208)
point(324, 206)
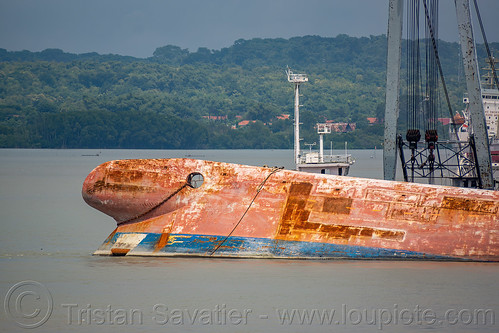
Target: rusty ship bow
point(186, 207)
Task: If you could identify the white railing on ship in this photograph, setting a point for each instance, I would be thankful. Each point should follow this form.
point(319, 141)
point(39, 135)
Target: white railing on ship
point(332, 159)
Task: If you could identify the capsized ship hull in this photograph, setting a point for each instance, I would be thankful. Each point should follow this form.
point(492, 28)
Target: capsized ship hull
point(246, 211)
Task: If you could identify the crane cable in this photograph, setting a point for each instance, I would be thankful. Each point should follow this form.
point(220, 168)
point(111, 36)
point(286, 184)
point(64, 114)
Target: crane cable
point(413, 115)
point(437, 58)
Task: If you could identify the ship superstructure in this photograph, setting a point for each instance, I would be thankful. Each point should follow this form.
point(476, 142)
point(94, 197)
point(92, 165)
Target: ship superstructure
point(317, 161)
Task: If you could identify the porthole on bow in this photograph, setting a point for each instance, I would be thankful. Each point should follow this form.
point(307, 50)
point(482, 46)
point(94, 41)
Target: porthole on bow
point(195, 180)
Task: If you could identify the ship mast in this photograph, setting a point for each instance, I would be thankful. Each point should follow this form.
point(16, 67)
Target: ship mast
point(297, 79)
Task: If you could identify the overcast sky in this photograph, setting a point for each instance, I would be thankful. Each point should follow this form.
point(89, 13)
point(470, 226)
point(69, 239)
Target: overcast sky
point(138, 27)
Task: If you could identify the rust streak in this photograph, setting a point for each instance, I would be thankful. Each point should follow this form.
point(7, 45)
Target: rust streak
point(472, 205)
point(295, 225)
point(119, 251)
point(337, 205)
point(101, 185)
point(162, 241)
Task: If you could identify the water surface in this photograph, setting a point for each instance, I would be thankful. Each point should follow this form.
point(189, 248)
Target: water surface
point(48, 235)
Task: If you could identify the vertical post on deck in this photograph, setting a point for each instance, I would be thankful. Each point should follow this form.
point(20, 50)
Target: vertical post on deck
point(297, 123)
point(297, 79)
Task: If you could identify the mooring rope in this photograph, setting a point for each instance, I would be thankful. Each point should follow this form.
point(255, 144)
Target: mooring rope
point(258, 190)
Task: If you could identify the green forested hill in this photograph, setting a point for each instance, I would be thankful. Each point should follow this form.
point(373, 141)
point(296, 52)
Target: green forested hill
point(53, 99)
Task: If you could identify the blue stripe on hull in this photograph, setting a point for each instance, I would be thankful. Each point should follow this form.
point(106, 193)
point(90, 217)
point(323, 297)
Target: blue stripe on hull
point(203, 245)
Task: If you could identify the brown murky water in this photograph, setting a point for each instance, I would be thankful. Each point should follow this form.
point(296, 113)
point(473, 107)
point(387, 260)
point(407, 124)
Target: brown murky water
point(50, 281)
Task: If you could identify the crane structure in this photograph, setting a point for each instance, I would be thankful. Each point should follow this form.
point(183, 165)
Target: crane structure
point(422, 96)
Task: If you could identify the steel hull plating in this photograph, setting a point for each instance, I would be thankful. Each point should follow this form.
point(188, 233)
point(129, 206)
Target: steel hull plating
point(245, 211)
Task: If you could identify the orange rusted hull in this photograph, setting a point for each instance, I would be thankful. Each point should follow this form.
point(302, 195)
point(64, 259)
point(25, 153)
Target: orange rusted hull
point(247, 211)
